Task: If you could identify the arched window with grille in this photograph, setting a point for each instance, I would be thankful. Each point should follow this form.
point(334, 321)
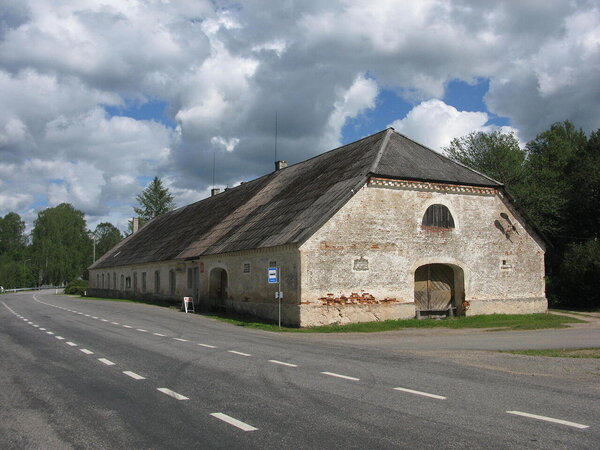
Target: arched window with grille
point(438, 216)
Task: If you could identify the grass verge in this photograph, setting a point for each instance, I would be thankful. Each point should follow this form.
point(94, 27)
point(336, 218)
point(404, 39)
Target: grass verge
point(495, 322)
point(127, 300)
point(560, 353)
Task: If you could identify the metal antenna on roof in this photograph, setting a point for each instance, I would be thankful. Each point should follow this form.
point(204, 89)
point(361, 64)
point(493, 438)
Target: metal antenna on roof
point(214, 157)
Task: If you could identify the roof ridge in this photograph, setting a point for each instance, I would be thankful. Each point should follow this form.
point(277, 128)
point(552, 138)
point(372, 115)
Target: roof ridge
point(382, 148)
point(447, 158)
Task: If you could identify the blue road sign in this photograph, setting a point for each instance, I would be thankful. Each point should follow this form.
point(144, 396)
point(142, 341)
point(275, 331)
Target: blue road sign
point(272, 276)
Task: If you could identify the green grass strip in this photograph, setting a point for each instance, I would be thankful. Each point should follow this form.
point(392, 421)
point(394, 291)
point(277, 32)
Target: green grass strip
point(495, 322)
point(560, 353)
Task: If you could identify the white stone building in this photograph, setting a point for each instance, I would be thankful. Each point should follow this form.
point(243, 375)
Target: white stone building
point(382, 228)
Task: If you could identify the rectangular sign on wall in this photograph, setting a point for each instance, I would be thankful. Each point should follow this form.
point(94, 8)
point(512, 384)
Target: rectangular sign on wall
point(272, 275)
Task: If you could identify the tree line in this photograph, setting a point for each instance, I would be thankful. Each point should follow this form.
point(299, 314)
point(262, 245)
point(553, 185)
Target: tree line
point(60, 246)
point(555, 180)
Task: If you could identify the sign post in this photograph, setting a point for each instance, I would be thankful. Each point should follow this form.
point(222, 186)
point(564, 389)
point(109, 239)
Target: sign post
point(274, 277)
point(188, 304)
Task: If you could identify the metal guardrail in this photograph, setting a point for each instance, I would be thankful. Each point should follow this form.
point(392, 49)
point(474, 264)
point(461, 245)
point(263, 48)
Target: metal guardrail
point(38, 288)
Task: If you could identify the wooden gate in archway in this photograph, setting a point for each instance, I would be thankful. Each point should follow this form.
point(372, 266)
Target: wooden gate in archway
point(434, 287)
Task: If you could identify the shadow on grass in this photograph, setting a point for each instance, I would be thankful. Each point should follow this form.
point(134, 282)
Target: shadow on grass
point(493, 322)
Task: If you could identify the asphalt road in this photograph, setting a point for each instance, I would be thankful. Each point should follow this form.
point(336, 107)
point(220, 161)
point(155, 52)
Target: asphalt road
point(95, 374)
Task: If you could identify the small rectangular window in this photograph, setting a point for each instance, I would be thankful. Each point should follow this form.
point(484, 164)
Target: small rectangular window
point(172, 281)
point(246, 267)
point(143, 281)
point(127, 282)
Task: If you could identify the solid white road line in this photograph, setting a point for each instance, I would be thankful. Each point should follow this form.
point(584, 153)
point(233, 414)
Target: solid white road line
point(143, 331)
point(331, 374)
point(133, 375)
point(424, 394)
point(549, 419)
point(274, 361)
point(86, 351)
point(60, 338)
point(106, 361)
point(158, 334)
point(173, 394)
point(239, 353)
point(207, 346)
point(180, 340)
point(236, 423)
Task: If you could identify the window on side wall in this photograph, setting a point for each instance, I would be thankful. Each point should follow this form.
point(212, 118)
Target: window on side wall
point(135, 282)
point(127, 282)
point(246, 267)
point(143, 281)
point(122, 282)
point(157, 281)
point(172, 283)
point(438, 217)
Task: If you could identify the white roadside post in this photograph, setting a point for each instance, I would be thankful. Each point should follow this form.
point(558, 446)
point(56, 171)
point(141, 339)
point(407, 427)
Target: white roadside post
point(274, 277)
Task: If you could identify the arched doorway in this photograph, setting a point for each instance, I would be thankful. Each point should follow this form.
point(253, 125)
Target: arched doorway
point(218, 286)
point(438, 287)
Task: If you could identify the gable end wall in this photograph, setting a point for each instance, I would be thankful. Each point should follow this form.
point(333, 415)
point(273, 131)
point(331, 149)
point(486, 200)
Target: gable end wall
point(360, 265)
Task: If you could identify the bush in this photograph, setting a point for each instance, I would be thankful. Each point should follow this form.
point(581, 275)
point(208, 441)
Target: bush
point(579, 275)
point(77, 287)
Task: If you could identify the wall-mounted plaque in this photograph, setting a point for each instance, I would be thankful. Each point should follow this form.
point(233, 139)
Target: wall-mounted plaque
point(361, 264)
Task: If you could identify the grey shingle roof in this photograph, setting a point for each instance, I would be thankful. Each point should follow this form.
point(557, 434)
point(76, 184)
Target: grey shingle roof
point(286, 206)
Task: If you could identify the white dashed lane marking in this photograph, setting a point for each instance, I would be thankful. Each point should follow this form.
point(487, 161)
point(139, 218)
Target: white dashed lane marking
point(281, 363)
point(549, 419)
point(239, 353)
point(180, 340)
point(133, 375)
point(207, 346)
point(143, 331)
point(115, 323)
point(106, 361)
point(345, 377)
point(236, 423)
point(126, 326)
point(49, 332)
point(86, 351)
point(72, 344)
point(158, 334)
point(424, 394)
point(60, 338)
point(173, 394)
point(42, 329)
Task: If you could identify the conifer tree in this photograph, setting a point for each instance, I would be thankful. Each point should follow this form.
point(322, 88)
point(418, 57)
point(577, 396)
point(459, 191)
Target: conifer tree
point(154, 201)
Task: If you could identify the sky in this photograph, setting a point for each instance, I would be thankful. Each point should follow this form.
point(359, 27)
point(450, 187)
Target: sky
point(98, 97)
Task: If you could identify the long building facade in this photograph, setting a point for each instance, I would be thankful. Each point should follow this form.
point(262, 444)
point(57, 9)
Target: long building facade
point(382, 228)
